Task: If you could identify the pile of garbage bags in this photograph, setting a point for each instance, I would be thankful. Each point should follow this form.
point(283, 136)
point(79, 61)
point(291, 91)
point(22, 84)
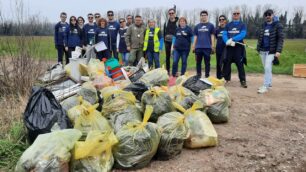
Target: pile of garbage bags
point(124, 124)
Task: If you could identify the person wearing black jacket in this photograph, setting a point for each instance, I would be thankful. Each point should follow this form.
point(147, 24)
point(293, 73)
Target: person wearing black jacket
point(170, 27)
point(269, 45)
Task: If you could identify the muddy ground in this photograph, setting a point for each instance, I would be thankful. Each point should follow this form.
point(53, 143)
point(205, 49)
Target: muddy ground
point(265, 132)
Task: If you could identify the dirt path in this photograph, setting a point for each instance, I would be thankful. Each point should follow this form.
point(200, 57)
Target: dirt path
point(265, 132)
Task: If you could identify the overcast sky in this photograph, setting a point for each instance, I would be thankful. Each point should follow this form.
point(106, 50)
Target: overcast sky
point(52, 8)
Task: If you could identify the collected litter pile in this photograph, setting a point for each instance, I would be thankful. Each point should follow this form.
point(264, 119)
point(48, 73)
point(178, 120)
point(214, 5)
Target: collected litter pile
point(99, 115)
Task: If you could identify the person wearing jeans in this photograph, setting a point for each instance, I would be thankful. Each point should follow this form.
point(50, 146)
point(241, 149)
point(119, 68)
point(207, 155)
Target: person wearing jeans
point(203, 44)
point(220, 45)
point(153, 43)
point(181, 46)
point(121, 45)
point(169, 31)
point(269, 45)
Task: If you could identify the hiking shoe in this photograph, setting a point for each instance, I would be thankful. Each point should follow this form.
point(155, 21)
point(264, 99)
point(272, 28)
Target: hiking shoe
point(243, 84)
point(262, 90)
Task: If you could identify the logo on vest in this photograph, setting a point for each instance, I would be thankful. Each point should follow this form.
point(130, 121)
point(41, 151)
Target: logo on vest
point(234, 31)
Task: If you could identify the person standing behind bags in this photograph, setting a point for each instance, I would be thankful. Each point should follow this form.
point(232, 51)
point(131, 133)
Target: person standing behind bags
point(73, 36)
point(113, 27)
point(269, 45)
point(129, 20)
point(169, 30)
point(220, 45)
point(121, 45)
point(153, 42)
point(102, 35)
point(89, 31)
point(81, 22)
point(59, 37)
point(235, 31)
point(134, 40)
point(203, 44)
point(181, 46)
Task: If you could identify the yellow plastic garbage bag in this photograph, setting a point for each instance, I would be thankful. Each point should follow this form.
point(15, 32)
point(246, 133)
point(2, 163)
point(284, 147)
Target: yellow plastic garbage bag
point(116, 101)
point(95, 67)
point(216, 103)
point(174, 132)
point(95, 153)
point(156, 77)
point(49, 152)
point(202, 132)
point(182, 96)
point(77, 110)
point(138, 143)
point(91, 119)
point(159, 99)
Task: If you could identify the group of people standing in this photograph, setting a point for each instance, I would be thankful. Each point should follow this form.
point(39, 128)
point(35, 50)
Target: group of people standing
point(133, 40)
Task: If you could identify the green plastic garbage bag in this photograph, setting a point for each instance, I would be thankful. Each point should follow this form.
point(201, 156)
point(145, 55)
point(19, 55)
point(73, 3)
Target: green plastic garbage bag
point(138, 143)
point(174, 132)
point(95, 153)
point(49, 152)
point(159, 99)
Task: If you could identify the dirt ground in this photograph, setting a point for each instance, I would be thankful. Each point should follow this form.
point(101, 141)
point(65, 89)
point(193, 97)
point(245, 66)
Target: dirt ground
point(265, 132)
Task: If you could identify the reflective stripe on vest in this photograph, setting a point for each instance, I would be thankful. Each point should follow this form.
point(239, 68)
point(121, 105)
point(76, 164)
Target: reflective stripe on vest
point(156, 40)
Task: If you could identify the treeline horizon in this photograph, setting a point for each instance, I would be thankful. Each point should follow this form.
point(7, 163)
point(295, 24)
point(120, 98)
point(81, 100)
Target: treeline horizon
point(294, 26)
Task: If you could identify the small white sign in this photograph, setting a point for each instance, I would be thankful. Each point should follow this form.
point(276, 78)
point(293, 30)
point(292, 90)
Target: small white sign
point(100, 46)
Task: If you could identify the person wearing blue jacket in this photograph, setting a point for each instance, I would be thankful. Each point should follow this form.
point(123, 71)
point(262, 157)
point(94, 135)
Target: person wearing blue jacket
point(220, 45)
point(121, 44)
point(73, 36)
point(235, 31)
point(113, 27)
point(181, 46)
point(203, 44)
point(153, 43)
point(89, 31)
point(102, 35)
point(59, 38)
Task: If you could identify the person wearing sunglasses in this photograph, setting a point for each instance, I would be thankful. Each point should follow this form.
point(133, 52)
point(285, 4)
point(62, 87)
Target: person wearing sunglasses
point(59, 37)
point(203, 44)
point(102, 35)
point(235, 31)
point(97, 17)
point(81, 22)
point(73, 37)
point(169, 31)
point(153, 43)
point(134, 39)
point(129, 20)
point(113, 27)
point(269, 45)
point(220, 45)
point(89, 30)
point(121, 45)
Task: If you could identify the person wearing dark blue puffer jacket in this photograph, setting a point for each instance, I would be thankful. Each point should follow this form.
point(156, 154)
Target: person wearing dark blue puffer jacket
point(59, 37)
point(73, 36)
point(102, 35)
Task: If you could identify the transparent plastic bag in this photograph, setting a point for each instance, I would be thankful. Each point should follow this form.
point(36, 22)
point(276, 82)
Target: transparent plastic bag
point(89, 93)
point(156, 77)
point(182, 96)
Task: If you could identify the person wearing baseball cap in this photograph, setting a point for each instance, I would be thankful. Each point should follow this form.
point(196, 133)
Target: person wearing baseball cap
point(269, 45)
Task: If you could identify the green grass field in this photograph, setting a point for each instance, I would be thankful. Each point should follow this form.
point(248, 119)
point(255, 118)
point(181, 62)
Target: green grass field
point(294, 52)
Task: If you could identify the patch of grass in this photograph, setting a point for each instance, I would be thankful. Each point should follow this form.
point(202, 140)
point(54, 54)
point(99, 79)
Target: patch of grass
point(12, 147)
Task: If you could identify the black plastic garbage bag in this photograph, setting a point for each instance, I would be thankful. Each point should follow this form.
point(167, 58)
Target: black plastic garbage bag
point(42, 112)
point(195, 84)
point(137, 89)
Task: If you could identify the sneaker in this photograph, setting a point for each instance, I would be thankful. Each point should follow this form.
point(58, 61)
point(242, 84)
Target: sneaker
point(244, 84)
point(261, 87)
point(269, 87)
point(262, 90)
point(172, 81)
